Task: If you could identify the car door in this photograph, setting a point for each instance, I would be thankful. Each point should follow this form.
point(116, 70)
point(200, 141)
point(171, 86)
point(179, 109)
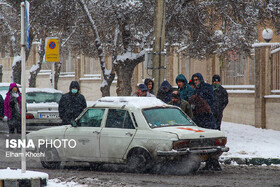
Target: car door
point(86, 135)
point(117, 135)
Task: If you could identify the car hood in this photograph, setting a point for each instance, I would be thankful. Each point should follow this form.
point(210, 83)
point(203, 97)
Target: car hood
point(49, 131)
point(191, 132)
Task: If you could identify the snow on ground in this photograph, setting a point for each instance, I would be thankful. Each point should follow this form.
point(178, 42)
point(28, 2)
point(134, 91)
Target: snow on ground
point(246, 141)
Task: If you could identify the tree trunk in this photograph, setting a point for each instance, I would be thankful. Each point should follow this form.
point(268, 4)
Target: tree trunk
point(124, 73)
point(34, 73)
point(16, 74)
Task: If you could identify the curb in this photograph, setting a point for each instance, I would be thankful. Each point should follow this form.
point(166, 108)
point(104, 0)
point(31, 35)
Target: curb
point(36, 182)
point(15, 178)
point(250, 161)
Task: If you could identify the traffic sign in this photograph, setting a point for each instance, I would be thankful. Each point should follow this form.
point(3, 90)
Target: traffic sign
point(52, 49)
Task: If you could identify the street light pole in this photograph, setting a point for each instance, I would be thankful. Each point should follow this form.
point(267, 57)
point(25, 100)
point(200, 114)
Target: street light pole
point(158, 48)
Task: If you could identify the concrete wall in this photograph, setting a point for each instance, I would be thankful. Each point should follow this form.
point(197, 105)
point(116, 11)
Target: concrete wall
point(272, 112)
point(240, 109)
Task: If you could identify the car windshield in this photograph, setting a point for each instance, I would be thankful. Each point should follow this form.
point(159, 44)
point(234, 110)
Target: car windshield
point(42, 97)
point(159, 117)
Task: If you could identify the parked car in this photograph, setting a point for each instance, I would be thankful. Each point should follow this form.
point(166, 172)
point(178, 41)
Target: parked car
point(42, 107)
point(137, 131)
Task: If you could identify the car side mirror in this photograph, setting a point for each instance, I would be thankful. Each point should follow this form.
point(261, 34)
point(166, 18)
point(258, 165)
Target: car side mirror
point(74, 123)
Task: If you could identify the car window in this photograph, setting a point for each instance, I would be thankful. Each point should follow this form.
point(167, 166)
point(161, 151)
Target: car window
point(42, 97)
point(92, 118)
point(158, 117)
point(119, 119)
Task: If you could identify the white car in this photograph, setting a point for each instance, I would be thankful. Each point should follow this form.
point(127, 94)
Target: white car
point(137, 131)
point(42, 107)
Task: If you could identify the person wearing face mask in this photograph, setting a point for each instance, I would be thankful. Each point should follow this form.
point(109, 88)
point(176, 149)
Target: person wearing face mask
point(71, 104)
point(12, 109)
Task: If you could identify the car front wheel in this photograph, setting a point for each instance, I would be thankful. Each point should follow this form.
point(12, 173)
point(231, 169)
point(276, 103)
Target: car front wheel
point(51, 159)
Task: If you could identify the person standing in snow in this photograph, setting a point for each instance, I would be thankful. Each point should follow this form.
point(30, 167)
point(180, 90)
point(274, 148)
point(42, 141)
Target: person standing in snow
point(205, 91)
point(150, 85)
point(12, 109)
point(185, 90)
point(71, 104)
point(183, 104)
point(143, 91)
point(165, 91)
point(220, 99)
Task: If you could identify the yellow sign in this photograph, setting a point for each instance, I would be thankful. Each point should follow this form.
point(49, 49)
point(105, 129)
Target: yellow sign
point(52, 49)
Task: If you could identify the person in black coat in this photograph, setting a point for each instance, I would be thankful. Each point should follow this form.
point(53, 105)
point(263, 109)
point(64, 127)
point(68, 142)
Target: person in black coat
point(220, 99)
point(205, 91)
point(165, 91)
point(71, 104)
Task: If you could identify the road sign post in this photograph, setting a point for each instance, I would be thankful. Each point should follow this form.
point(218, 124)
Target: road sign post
point(52, 53)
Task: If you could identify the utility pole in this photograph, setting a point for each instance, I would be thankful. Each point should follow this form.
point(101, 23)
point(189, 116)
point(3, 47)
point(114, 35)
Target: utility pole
point(158, 48)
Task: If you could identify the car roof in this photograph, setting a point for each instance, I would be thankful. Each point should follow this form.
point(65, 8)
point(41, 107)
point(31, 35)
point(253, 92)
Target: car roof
point(49, 90)
point(129, 102)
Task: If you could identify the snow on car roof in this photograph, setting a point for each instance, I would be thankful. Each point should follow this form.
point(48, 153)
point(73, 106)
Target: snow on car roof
point(49, 90)
point(130, 101)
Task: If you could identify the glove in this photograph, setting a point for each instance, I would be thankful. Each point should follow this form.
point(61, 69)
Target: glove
point(5, 118)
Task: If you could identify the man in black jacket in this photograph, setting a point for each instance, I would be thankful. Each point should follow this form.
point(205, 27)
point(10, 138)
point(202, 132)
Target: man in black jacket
point(220, 100)
point(71, 104)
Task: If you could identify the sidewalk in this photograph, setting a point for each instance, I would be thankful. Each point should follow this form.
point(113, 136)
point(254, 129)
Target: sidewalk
point(250, 145)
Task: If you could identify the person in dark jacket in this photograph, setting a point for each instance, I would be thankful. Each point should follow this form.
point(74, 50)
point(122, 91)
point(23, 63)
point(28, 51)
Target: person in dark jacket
point(150, 85)
point(71, 104)
point(220, 99)
point(183, 104)
point(12, 108)
point(165, 91)
point(202, 113)
point(185, 90)
point(205, 91)
point(1, 107)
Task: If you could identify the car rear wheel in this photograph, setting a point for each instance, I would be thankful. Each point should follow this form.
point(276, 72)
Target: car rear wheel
point(139, 161)
point(51, 159)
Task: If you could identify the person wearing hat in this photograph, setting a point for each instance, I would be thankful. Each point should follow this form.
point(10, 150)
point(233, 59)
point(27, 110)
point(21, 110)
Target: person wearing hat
point(183, 104)
point(220, 99)
point(12, 109)
point(165, 91)
point(143, 91)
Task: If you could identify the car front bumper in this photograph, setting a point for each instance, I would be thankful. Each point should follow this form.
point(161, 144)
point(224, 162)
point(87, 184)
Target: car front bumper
point(201, 151)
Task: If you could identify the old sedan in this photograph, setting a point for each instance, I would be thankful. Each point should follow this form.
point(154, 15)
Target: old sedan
point(137, 131)
point(42, 107)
